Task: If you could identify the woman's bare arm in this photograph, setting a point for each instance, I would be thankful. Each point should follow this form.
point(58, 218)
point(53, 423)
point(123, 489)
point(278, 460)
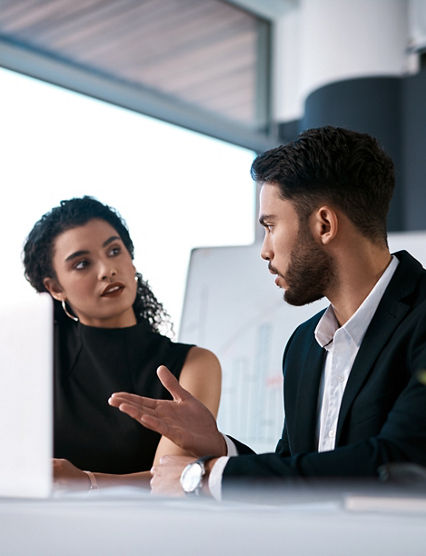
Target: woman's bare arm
point(201, 376)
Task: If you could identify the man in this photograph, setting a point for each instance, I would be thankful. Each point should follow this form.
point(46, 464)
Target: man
point(352, 397)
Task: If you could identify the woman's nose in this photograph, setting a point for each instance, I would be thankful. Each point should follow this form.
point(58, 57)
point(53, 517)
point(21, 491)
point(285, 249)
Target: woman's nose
point(107, 273)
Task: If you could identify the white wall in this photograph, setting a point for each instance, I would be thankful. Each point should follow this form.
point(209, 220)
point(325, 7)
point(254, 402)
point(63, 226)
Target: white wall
point(322, 41)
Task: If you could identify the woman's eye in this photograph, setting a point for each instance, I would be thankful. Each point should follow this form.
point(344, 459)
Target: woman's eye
point(114, 251)
point(81, 265)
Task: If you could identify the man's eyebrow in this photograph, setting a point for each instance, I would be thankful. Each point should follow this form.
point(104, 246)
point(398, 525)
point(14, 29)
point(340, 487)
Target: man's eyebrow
point(263, 218)
point(85, 252)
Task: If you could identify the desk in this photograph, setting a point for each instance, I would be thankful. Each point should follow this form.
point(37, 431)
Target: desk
point(143, 525)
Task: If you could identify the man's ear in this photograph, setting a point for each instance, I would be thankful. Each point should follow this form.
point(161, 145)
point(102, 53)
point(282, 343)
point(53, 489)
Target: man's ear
point(324, 224)
point(53, 287)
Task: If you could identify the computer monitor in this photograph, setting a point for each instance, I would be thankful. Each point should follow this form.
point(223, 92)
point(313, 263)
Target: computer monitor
point(26, 395)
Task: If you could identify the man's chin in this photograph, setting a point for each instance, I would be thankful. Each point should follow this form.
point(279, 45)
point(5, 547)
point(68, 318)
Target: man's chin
point(297, 299)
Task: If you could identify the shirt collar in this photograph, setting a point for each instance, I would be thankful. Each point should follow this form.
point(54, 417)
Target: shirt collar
point(357, 325)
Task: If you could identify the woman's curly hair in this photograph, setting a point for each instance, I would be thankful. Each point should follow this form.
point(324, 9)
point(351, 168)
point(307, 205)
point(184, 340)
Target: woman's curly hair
point(38, 253)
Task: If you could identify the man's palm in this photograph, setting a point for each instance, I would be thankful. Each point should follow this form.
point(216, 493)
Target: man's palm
point(184, 420)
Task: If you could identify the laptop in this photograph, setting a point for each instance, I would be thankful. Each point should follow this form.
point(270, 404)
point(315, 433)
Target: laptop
point(26, 395)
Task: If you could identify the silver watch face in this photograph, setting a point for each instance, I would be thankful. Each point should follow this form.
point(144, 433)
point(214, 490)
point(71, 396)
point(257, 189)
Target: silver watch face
point(191, 477)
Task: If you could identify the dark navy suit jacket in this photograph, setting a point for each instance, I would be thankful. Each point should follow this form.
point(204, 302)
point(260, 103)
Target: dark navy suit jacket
point(382, 418)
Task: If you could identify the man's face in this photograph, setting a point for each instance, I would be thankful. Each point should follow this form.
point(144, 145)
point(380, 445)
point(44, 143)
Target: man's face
point(303, 268)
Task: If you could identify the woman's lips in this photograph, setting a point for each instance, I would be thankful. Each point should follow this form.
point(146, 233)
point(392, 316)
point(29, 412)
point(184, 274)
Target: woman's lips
point(113, 290)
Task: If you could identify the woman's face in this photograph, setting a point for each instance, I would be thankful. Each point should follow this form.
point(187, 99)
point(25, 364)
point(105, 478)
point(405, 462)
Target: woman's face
point(95, 275)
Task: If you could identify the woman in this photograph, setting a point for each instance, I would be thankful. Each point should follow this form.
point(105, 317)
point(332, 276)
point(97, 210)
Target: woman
point(107, 339)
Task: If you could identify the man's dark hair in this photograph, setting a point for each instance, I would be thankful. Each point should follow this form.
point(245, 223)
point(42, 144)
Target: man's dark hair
point(39, 245)
point(334, 165)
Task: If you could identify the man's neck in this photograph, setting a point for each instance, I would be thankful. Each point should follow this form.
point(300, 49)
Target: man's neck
point(357, 272)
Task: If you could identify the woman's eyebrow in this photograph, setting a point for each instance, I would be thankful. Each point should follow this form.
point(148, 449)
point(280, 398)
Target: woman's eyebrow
point(75, 255)
point(110, 240)
point(85, 252)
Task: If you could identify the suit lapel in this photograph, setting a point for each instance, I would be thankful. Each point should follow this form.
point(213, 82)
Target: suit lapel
point(389, 314)
point(307, 400)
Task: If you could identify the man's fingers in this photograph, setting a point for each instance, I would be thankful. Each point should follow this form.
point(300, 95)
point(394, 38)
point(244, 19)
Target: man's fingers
point(155, 424)
point(124, 397)
point(142, 410)
point(130, 410)
point(133, 411)
point(147, 420)
point(137, 409)
point(170, 382)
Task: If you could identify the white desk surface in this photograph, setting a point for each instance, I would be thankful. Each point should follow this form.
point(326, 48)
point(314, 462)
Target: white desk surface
point(145, 525)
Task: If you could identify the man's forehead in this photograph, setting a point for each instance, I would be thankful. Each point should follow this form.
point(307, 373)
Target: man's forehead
point(273, 207)
point(270, 199)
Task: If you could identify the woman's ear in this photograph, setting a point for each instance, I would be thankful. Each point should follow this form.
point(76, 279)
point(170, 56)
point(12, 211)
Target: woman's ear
point(53, 287)
point(324, 224)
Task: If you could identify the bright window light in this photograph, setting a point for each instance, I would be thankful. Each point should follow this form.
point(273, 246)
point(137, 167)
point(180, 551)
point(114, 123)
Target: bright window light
point(175, 188)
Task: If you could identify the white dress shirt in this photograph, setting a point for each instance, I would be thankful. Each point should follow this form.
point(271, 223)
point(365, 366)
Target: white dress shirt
point(342, 345)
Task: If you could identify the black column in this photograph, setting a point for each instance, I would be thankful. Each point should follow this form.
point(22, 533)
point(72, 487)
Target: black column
point(414, 150)
point(369, 105)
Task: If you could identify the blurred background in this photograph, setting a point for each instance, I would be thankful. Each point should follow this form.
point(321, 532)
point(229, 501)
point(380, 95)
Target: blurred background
point(157, 107)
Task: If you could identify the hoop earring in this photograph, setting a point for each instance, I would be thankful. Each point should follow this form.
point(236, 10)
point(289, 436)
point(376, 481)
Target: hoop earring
point(69, 315)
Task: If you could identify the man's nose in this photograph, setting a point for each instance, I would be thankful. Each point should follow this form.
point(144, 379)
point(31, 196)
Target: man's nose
point(266, 251)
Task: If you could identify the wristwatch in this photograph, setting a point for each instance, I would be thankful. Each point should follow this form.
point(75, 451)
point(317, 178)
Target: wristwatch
point(191, 478)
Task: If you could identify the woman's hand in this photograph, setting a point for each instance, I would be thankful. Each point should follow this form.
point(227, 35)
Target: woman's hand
point(167, 472)
point(166, 475)
point(68, 476)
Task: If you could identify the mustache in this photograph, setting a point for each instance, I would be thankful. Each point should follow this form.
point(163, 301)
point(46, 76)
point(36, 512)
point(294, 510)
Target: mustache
point(273, 269)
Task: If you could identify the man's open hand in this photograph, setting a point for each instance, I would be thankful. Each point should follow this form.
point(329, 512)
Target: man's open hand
point(184, 420)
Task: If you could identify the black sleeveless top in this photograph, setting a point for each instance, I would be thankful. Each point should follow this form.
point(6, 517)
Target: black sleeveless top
point(92, 363)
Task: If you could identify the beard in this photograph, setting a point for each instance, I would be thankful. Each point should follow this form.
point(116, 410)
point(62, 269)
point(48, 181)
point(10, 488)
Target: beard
point(309, 273)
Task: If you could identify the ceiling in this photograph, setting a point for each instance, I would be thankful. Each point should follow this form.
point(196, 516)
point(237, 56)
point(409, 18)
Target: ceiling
point(205, 58)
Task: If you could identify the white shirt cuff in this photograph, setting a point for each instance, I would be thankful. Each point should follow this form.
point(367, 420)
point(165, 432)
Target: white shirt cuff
point(215, 477)
point(230, 446)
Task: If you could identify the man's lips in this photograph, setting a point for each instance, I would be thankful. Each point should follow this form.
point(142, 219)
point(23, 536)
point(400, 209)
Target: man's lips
point(275, 272)
point(271, 269)
point(113, 289)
